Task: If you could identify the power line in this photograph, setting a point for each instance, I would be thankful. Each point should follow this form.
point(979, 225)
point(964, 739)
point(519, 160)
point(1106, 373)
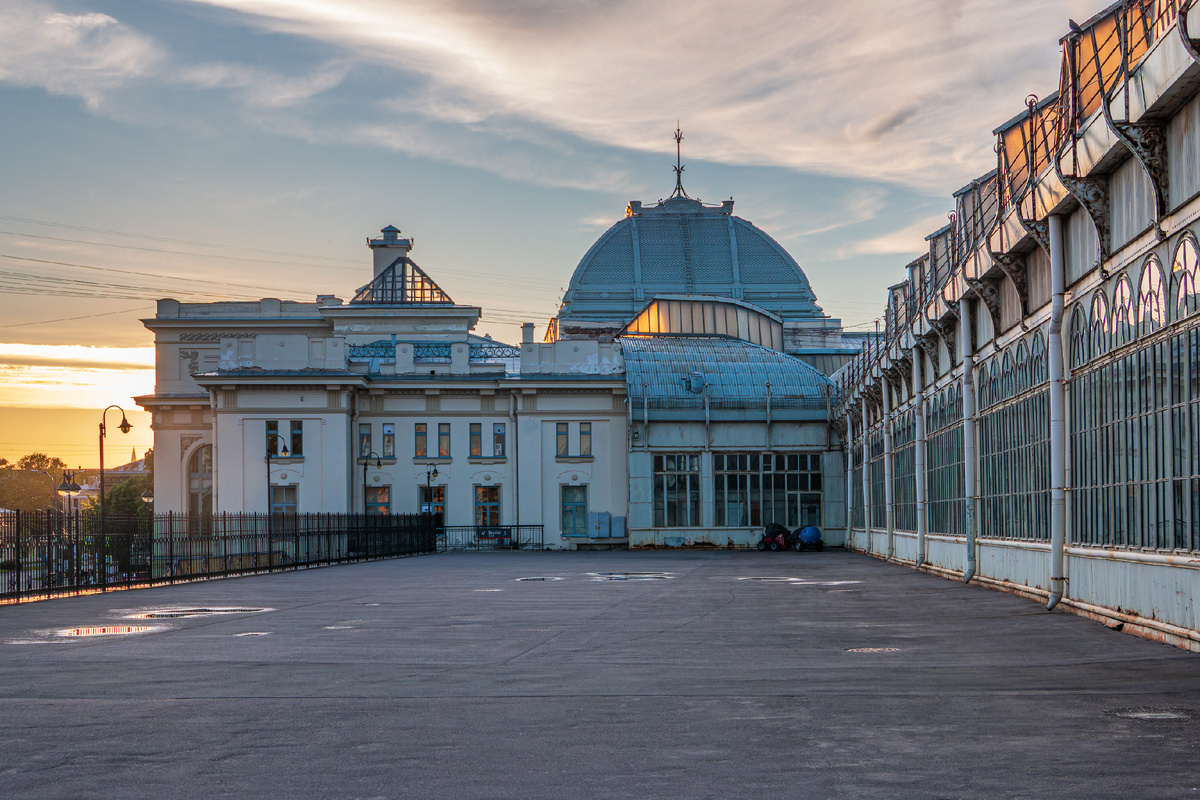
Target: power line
point(72, 319)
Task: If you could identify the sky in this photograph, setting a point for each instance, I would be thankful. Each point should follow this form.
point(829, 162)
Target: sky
point(237, 149)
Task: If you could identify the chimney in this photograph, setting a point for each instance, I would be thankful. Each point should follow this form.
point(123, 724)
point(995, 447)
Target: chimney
point(387, 248)
point(527, 333)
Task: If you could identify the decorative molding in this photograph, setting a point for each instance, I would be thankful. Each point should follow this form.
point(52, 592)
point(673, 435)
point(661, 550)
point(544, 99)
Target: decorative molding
point(1017, 271)
point(185, 444)
point(333, 398)
point(213, 337)
point(988, 291)
point(945, 332)
point(433, 402)
point(193, 359)
point(376, 402)
point(229, 398)
point(1148, 143)
point(1093, 195)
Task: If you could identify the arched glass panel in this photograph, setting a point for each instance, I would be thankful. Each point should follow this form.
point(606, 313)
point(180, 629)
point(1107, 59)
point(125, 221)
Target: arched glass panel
point(1152, 299)
point(1123, 317)
point(1039, 371)
point(1007, 376)
point(1022, 364)
point(1185, 276)
point(1101, 326)
point(1081, 337)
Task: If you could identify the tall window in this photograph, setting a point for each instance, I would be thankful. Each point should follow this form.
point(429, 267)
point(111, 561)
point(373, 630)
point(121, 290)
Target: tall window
point(200, 481)
point(433, 501)
point(389, 440)
point(487, 505)
point(297, 438)
point(283, 499)
point(443, 439)
point(562, 439)
point(364, 439)
point(585, 438)
point(476, 440)
point(676, 491)
point(379, 500)
point(421, 439)
point(574, 511)
point(498, 440)
point(756, 489)
point(274, 441)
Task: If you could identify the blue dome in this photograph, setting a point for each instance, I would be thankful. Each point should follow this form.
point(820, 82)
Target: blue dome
point(682, 247)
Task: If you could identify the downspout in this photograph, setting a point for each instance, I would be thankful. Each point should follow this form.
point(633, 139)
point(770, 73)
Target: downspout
point(768, 415)
point(352, 399)
point(888, 510)
point(1058, 429)
point(919, 450)
point(512, 415)
point(866, 476)
point(968, 395)
point(849, 448)
point(212, 409)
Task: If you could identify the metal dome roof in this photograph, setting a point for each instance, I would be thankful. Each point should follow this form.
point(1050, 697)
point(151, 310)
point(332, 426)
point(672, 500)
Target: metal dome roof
point(681, 247)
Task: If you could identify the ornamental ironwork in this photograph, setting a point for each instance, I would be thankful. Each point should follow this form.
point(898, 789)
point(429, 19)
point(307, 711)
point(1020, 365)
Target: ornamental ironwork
point(385, 350)
point(431, 352)
point(494, 352)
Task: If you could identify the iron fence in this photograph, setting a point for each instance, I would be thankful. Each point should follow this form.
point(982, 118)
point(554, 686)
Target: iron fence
point(43, 553)
point(490, 537)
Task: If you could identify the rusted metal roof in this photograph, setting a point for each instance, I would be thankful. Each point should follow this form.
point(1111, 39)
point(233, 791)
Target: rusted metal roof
point(732, 372)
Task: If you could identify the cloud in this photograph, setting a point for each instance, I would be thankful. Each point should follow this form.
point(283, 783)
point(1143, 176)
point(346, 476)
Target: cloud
point(81, 55)
point(909, 241)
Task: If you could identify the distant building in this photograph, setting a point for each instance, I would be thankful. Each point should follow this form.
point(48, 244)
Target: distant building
point(677, 398)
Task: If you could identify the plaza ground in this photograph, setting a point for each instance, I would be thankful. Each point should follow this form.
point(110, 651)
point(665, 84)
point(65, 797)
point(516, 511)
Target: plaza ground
point(446, 677)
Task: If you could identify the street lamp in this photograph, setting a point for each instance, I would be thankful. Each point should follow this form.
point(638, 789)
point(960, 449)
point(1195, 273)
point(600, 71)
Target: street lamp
point(124, 426)
point(366, 463)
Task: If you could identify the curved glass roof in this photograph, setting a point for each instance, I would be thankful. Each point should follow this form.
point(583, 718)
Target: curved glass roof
point(683, 247)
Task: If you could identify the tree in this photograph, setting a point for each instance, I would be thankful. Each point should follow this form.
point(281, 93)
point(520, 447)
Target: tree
point(40, 462)
point(22, 490)
point(126, 498)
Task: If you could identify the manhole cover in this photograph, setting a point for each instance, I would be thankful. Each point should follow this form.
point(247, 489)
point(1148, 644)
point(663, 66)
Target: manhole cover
point(630, 576)
point(176, 613)
point(872, 649)
point(105, 630)
point(539, 579)
point(1153, 714)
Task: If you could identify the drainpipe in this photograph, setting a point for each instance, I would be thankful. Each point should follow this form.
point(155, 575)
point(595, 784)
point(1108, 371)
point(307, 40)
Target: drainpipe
point(889, 514)
point(516, 437)
point(866, 475)
point(768, 415)
point(352, 399)
point(918, 378)
point(968, 395)
point(212, 409)
point(1058, 429)
point(849, 447)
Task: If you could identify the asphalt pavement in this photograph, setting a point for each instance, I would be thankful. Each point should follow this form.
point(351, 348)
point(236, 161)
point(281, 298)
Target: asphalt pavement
point(715, 675)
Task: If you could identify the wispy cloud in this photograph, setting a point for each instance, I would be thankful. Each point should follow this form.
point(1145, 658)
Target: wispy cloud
point(909, 241)
point(51, 376)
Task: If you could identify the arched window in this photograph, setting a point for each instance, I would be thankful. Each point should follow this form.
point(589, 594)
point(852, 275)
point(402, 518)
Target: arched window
point(1022, 364)
point(1185, 276)
point(1007, 376)
point(1039, 369)
point(200, 481)
point(1082, 340)
point(1101, 326)
point(1152, 299)
point(1123, 317)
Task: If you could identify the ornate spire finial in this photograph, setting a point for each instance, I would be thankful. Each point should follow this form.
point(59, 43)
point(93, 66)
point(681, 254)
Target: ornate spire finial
point(679, 192)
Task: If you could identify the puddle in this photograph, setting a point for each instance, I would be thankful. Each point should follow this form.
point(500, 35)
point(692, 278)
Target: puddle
point(253, 633)
point(539, 579)
point(872, 649)
point(797, 581)
point(1155, 714)
point(339, 627)
point(178, 613)
point(631, 576)
point(493, 590)
point(104, 630)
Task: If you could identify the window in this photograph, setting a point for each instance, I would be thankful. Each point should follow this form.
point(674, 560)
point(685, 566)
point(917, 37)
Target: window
point(200, 482)
point(443, 439)
point(379, 500)
point(498, 440)
point(487, 505)
point(585, 438)
point(676, 490)
point(283, 499)
point(561, 440)
point(433, 501)
point(756, 489)
point(419, 436)
point(364, 439)
point(273, 441)
point(389, 440)
point(476, 440)
point(574, 511)
point(297, 438)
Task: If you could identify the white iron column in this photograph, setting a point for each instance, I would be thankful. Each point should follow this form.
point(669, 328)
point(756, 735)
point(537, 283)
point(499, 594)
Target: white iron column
point(918, 379)
point(889, 512)
point(866, 473)
point(1058, 429)
point(970, 488)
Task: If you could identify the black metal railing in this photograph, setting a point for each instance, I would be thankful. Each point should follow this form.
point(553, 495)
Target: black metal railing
point(490, 537)
point(46, 554)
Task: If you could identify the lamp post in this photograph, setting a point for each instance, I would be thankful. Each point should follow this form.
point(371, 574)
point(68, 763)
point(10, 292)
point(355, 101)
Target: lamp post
point(124, 427)
point(366, 463)
point(66, 490)
point(430, 473)
point(272, 440)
